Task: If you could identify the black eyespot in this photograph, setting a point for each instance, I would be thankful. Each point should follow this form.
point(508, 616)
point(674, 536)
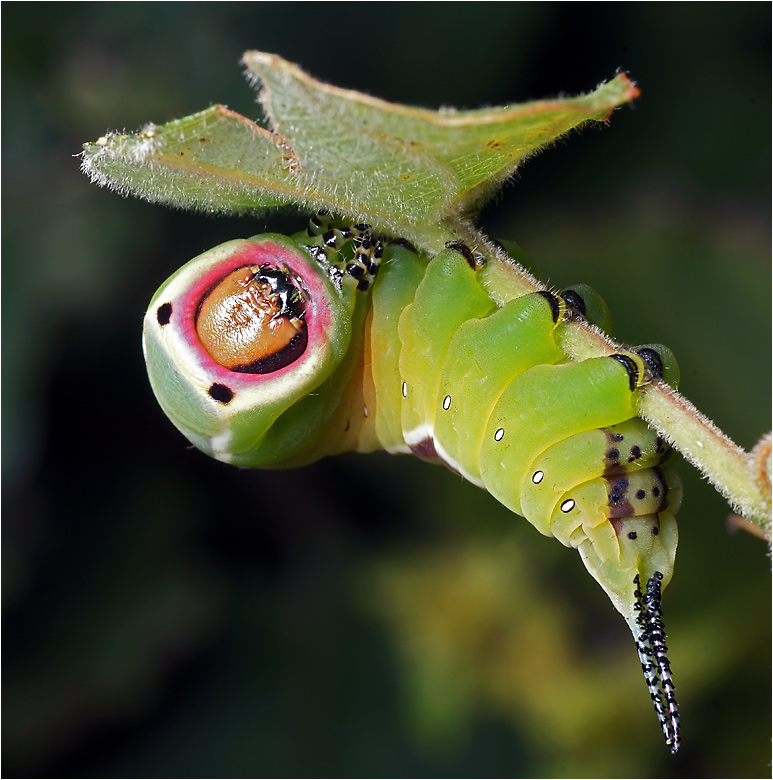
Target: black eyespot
point(640, 494)
point(656, 491)
point(221, 393)
point(613, 454)
point(635, 453)
point(164, 314)
point(632, 535)
point(655, 530)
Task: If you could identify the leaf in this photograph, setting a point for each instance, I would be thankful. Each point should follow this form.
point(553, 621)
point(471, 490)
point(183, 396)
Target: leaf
point(404, 170)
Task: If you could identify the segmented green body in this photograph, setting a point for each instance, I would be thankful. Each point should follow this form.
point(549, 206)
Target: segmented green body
point(411, 354)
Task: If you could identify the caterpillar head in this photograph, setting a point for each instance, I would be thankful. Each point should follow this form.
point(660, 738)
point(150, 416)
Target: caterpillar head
point(239, 335)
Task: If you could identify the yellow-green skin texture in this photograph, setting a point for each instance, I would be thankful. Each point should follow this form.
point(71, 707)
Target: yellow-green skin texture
point(425, 362)
point(487, 392)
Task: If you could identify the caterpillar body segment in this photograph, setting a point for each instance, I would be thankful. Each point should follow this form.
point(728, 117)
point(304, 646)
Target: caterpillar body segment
point(399, 278)
point(277, 351)
point(447, 296)
point(493, 352)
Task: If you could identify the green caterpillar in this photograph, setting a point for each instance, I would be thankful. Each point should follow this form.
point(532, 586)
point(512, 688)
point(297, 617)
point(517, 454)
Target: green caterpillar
point(275, 351)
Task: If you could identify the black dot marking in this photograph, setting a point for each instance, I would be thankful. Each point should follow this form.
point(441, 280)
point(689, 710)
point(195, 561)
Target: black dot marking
point(463, 250)
point(616, 437)
point(619, 505)
point(613, 454)
point(630, 366)
point(659, 444)
point(164, 314)
point(575, 302)
point(221, 393)
point(640, 494)
point(653, 361)
point(336, 276)
point(317, 252)
point(363, 285)
point(375, 261)
point(555, 308)
point(655, 530)
point(618, 490)
point(656, 491)
point(635, 453)
point(632, 535)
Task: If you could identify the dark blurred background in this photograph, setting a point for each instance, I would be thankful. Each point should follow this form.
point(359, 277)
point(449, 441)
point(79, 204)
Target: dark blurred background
point(169, 616)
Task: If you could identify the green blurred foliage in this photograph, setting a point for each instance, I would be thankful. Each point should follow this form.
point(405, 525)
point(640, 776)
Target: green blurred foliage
point(169, 616)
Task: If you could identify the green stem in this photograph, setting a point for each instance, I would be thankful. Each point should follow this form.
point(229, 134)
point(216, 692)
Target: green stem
point(727, 466)
point(742, 478)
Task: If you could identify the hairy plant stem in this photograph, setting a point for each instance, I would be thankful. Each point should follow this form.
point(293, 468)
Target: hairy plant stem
point(739, 476)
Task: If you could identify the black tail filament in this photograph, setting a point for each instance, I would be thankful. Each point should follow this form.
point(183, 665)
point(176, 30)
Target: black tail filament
point(651, 644)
